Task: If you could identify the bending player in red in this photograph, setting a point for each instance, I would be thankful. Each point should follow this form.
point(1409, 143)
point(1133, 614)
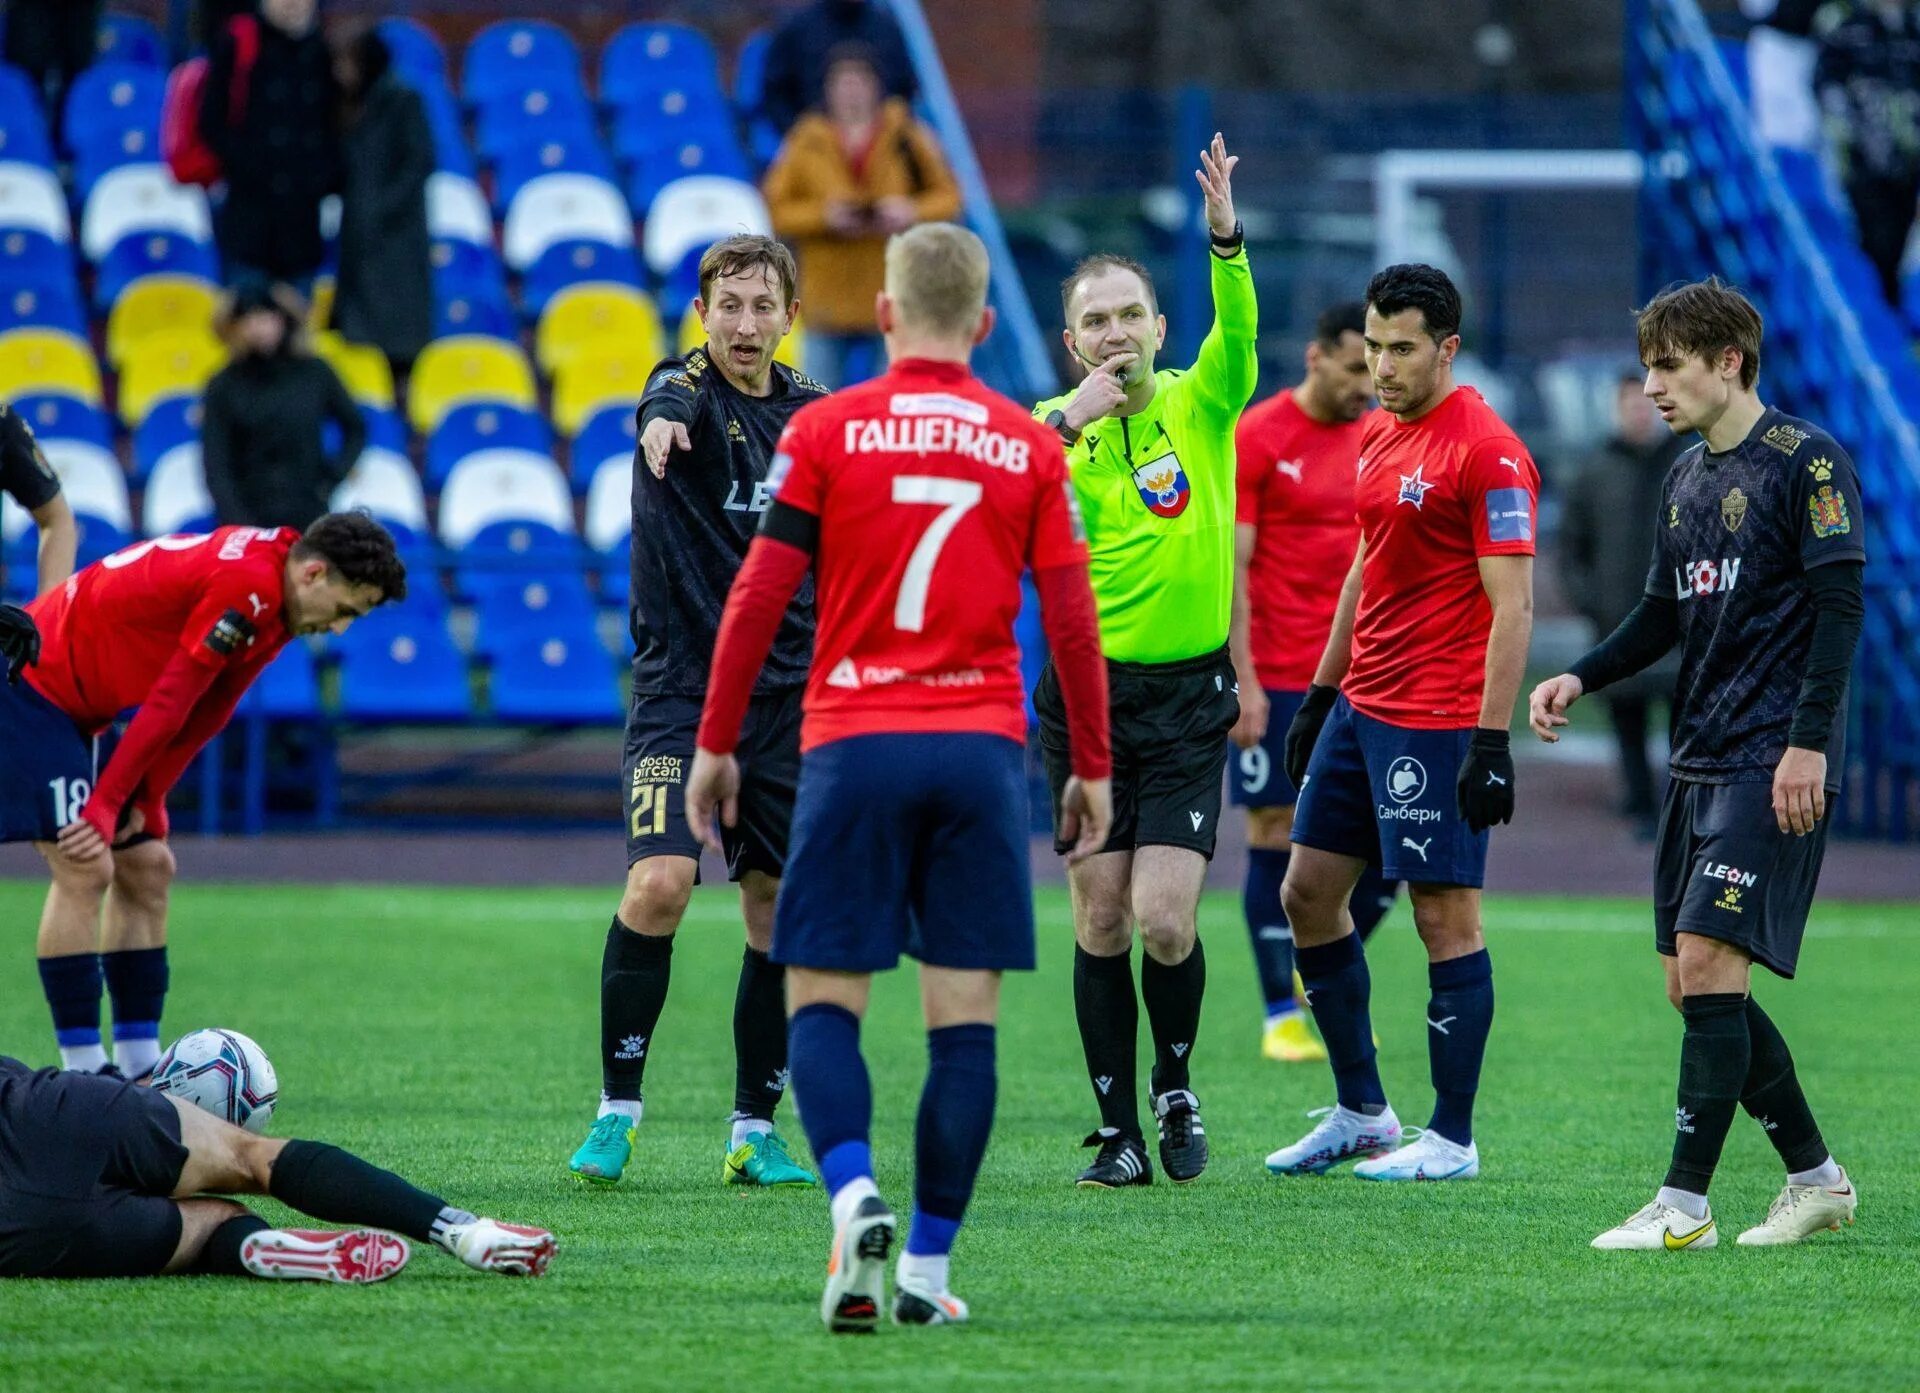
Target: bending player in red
point(180, 627)
point(918, 499)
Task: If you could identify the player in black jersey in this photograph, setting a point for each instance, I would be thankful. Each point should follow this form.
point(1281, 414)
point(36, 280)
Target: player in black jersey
point(1757, 560)
point(27, 478)
point(708, 426)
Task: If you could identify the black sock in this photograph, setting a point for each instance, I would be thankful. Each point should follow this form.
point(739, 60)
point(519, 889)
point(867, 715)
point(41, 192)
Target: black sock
point(221, 1255)
point(634, 972)
point(340, 1188)
point(1714, 1057)
point(1340, 993)
point(1459, 1016)
point(1268, 928)
point(759, 1036)
point(1773, 1096)
point(1172, 997)
point(1109, 1017)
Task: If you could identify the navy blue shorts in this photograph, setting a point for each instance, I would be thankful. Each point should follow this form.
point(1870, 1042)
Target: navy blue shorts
point(1258, 777)
point(912, 844)
point(47, 766)
point(1387, 794)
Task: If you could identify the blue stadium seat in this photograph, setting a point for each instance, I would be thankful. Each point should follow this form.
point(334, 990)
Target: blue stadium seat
point(660, 167)
point(29, 258)
point(558, 675)
point(483, 426)
point(450, 150)
point(508, 556)
point(65, 418)
point(513, 605)
point(609, 526)
point(642, 58)
point(467, 268)
point(151, 254)
point(530, 115)
point(99, 537)
point(517, 53)
point(288, 689)
point(172, 421)
point(667, 118)
point(416, 50)
point(608, 434)
point(110, 99)
point(469, 314)
point(399, 664)
point(23, 125)
point(385, 429)
point(42, 307)
point(749, 93)
point(571, 263)
point(126, 38)
point(520, 165)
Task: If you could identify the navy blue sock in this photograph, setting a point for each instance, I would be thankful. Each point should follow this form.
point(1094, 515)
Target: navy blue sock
point(1338, 991)
point(950, 1135)
point(72, 985)
point(1372, 897)
point(829, 1082)
point(137, 984)
point(1268, 928)
point(1459, 1015)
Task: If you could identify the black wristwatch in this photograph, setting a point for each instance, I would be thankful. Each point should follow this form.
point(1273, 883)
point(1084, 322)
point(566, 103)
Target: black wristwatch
point(1056, 420)
point(1232, 241)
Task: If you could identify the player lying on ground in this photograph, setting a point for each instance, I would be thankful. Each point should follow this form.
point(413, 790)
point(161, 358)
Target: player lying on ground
point(1295, 533)
point(104, 1178)
point(917, 500)
point(179, 627)
point(708, 424)
point(1399, 749)
point(1758, 557)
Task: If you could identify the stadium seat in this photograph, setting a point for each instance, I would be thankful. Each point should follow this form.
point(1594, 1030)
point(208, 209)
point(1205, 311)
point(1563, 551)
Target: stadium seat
point(519, 603)
point(519, 165)
point(287, 689)
point(609, 433)
point(92, 480)
point(110, 99)
point(504, 488)
point(609, 528)
point(560, 677)
point(565, 265)
point(692, 213)
point(416, 50)
point(98, 538)
point(669, 117)
point(584, 317)
point(35, 259)
point(468, 270)
point(477, 426)
point(31, 307)
point(451, 154)
point(398, 664)
point(517, 53)
point(563, 207)
point(32, 200)
point(23, 126)
point(540, 112)
point(792, 350)
point(155, 305)
point(362, 368)
point(470, 367)
point(171, 421)
point(145, 254)
point(177, 499)
point(141, 198)
point(643, 58)
point(385, 484)
point(692, 159)
point(385, 429)
point(38, 360)
point(126, 38)
point(58, 417)
point(607, 376)
point(19, 545)
point(166, 365)
point(457, 210)
point(488, 314)
point(749, 94)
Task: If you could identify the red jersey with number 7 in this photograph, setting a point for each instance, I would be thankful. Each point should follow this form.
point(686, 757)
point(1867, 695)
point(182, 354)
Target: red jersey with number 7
point(934, 493)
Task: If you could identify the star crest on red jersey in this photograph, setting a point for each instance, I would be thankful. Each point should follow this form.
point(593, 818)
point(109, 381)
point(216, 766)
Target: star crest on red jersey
point(1413, 488)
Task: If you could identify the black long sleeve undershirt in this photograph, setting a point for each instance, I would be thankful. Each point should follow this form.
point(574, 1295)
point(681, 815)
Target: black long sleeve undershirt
point(1644, 636)
point(1840, 608)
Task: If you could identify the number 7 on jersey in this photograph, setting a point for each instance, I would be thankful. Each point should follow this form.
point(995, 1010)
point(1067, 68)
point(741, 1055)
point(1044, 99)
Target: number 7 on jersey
point(955, 498)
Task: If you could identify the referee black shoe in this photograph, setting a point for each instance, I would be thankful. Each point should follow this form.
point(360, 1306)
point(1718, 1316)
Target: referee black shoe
point(1183, 1140)
point(1122, 1161)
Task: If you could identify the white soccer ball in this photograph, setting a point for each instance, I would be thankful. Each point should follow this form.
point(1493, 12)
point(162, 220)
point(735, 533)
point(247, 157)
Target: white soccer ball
point(224, 1072)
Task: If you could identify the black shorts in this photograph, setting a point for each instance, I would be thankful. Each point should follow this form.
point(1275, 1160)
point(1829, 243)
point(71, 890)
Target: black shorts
point(660, 741)
point(1169, 723)
point(86, 1166)
point(1725, 870)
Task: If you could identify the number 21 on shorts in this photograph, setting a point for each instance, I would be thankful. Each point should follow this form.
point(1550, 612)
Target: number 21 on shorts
point(649, 810)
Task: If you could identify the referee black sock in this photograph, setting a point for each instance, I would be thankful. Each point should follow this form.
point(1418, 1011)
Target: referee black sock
point(340, 1188)
point(220, 1255)
point(1109, 1017)
point(634, 972)
point(1773, 1096)
point(1715, 1054)
point(759, 1036)
point(1172, 998)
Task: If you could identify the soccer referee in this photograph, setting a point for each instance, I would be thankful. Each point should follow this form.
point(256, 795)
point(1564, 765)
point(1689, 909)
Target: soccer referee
point(1150, 455)
point(1758, 556)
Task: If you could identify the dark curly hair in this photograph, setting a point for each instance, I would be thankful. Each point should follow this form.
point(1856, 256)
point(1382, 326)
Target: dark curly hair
point(1413, 285)
point(359, 550)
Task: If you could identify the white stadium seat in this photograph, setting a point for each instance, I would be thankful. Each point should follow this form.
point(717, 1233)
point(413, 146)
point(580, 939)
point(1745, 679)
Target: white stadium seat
point(456, 209)
point(386, 485)
point(141, 198)
point(177, 491)
point(562, 208)
point(31, 198)
point(92, 480)
point(699, 209)
point(490, 486)
point(610, 503)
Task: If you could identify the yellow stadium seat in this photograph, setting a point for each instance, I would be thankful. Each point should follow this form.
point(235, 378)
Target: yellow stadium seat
point(467, 367)
point(362, 368)
point(585, 318)
point(603, 377)
point(167, 365)
point(158, 305)
point(48, 360)
point(792, 350)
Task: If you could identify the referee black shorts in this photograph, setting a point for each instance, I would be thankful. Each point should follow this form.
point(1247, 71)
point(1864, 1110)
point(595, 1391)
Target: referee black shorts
point(1169, 723)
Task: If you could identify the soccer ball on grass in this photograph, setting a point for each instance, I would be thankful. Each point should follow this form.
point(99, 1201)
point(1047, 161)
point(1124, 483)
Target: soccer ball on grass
point(223, 1072)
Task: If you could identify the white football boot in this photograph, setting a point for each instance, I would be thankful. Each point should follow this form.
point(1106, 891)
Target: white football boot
point(1800, 1211)
point(916, 1303)
point(1660, 1226)
point(1428, 1156)
point(513, 1250)
point(857, 1270)
point(351, 1256)
point(1339, 1136)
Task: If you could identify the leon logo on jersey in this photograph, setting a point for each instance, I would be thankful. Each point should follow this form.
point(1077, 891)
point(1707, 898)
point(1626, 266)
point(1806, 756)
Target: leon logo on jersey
point(1163, 486)
point(1705, 577)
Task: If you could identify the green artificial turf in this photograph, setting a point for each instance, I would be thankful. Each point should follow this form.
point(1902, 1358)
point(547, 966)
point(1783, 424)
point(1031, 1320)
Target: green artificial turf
point(452, 1036)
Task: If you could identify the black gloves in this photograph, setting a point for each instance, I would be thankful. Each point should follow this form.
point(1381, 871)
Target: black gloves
point(1486, 780)
point(1305, 729)
point(19, 640)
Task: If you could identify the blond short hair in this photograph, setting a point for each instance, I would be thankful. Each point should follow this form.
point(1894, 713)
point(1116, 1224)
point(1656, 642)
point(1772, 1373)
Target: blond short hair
point(937, 278)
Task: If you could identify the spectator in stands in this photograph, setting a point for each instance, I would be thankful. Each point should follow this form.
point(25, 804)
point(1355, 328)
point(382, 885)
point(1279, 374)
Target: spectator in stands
point(1603, 567)
point(281, 155)
point(52, 41)
point(263, 437)
point(844, 181)
point(384, 291)
point(1868, 80)
point(798, 55)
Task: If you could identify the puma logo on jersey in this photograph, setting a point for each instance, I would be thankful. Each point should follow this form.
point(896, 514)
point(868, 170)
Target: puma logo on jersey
point(1420, 847)
point(259, 605)
point(1294, 469)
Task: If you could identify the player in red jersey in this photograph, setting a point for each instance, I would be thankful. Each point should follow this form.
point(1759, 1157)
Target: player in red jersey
point(1415, 692)
point(918, 499)
point(178, 626)
point(1296, 453)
